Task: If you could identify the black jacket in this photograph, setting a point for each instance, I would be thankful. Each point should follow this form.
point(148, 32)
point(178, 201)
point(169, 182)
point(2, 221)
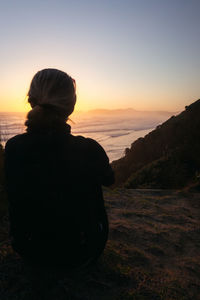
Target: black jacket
point(55, 197)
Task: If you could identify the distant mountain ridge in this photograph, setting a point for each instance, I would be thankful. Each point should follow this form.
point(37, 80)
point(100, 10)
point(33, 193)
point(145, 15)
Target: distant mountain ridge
point(167, 157)
point(122, 111)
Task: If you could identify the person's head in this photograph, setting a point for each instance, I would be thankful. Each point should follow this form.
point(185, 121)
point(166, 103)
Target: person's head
point(54, 88)
point(52, 96)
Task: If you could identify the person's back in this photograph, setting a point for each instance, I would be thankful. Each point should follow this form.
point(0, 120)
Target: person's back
point(54, 183)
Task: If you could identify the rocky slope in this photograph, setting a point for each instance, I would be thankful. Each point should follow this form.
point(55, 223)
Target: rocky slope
point(167, 157)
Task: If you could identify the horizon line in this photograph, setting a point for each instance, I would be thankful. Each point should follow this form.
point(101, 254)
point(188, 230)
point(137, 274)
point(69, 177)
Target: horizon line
point(105, 109)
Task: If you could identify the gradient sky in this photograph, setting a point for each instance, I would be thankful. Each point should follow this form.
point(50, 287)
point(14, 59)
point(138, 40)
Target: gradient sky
point(143, 54)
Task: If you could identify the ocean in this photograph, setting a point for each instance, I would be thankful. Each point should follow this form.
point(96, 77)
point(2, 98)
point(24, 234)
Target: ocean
point(115, 130)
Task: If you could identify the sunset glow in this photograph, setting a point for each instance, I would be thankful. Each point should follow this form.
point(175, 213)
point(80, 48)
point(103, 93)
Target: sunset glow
point(140, 54)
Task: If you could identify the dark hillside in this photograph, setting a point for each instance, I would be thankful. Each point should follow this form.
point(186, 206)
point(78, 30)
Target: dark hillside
point(167, 157)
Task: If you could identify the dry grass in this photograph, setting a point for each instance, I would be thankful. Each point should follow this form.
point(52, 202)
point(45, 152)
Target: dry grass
point(152, 253)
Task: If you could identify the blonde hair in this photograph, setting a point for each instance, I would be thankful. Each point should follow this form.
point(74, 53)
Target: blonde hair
point(54, 88)
point(52, 95)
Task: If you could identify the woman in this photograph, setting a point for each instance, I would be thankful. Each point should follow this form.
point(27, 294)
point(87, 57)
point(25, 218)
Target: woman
point(54, 180)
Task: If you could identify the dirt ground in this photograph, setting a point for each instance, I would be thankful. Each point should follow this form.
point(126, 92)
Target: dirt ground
point(153, 253)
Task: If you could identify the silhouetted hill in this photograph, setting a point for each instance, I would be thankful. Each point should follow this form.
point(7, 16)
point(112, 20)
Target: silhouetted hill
point(167, 157)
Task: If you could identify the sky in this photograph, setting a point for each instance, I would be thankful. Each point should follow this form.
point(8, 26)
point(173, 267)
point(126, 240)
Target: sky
point(143, 54)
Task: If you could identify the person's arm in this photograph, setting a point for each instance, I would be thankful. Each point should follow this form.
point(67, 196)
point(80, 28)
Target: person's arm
point(101, 163)
point(14, 187)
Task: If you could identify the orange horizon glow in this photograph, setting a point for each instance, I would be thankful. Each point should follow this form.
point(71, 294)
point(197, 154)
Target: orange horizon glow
point(25, 108)
point(91, 96)
point(96, 92)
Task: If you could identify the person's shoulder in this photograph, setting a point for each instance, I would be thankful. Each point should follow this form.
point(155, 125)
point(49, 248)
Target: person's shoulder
point(94, 144)
point(89, 147)
point(95, 150)
point(88, 143)
point(15, 141)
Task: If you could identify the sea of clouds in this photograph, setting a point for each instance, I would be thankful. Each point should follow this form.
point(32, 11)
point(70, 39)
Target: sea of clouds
point(114, 130)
